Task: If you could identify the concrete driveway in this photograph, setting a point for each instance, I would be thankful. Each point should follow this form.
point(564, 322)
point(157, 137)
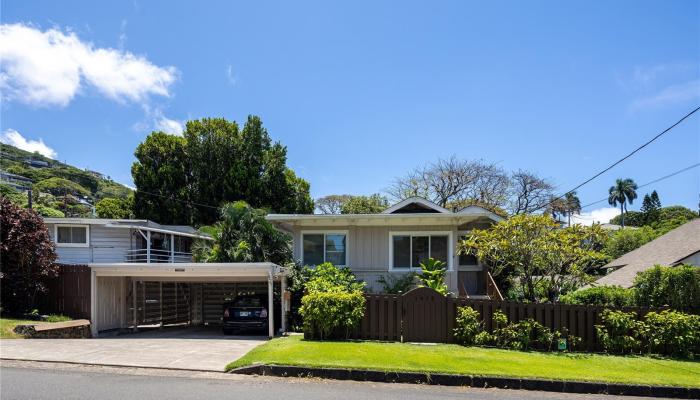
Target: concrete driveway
point(202, 349)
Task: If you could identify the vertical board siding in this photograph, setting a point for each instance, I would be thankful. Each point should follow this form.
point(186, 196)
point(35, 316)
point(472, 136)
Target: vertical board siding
point(69, 293)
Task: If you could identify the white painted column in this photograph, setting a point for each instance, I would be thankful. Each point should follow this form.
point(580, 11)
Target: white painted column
point(172, 248)
point(283, 304)
point(93, 302)
point(270, 306)
point(148, 246)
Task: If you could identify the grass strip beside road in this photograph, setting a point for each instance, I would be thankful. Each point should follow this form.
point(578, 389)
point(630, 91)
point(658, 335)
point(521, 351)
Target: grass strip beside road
point(454, 359)
point(8, 324)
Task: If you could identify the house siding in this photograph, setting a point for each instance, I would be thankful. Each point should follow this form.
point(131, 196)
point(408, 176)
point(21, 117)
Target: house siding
point(368, 250)
point(106, 245)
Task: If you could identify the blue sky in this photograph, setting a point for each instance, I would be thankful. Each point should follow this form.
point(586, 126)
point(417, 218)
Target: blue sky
point(361, 93)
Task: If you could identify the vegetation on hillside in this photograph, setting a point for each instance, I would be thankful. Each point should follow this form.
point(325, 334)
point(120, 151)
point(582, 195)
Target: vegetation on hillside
point(59, 189)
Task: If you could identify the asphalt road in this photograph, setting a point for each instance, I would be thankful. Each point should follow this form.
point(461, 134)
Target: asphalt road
point(27, 380)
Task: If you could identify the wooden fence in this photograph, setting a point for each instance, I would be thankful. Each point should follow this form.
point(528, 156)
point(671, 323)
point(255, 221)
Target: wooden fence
point(423, 315)
point(69, 293)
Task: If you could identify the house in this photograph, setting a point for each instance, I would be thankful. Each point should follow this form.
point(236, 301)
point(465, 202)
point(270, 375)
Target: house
point(19, 182)
point(36, 163)
point(679, 246)
point(127, 274)
point(393, 242)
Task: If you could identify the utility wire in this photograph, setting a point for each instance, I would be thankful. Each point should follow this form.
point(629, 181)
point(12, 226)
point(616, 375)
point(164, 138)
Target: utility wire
point(671, 175)
point(620, 160)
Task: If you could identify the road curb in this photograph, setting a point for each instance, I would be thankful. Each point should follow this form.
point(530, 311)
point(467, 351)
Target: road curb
point(472, 381)
point(108, 365)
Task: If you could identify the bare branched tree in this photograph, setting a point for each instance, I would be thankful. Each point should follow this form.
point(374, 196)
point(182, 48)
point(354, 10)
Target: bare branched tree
point(332, 204)
point(451, 182)
point(529, 193)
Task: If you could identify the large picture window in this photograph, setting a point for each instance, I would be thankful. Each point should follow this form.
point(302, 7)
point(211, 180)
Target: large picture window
point(72, 235)
point(318, 248)
point(410, 250)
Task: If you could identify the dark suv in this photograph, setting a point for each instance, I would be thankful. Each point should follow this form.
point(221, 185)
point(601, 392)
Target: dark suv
point(245, 313)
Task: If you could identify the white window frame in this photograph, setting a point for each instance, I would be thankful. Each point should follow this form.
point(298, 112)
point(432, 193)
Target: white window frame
point(324, 233)
point(87, 235)
point(450, 247)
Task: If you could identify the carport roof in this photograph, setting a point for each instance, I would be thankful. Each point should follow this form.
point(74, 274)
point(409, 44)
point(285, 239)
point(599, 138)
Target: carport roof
point(188, 270)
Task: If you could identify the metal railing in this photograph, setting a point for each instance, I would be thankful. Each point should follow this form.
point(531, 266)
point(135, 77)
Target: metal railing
point(157, 256)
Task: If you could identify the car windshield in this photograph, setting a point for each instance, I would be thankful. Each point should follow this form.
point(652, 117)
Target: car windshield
point(247, 302)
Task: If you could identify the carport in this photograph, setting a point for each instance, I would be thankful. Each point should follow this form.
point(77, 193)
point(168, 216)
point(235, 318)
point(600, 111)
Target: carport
point(130, 295)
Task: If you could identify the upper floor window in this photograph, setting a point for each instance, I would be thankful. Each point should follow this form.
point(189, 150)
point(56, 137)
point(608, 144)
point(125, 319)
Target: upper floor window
point(72, 235)
point(409, 250)
point(318, 248)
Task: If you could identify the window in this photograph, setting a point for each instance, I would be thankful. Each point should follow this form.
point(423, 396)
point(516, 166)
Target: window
point(410, 250)
point(318, 248)
point(72, 235)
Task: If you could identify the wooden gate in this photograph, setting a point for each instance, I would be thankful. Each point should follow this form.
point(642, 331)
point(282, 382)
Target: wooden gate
point(424, 316)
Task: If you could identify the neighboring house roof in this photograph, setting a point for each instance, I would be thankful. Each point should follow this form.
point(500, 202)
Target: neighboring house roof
point(392, 216)
point(668, 249)
point(144, 224)
point(415, 205)
point(614, 227)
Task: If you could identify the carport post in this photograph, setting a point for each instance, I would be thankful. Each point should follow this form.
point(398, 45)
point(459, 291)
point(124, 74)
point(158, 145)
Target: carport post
point(93, 302)
point(270, 306)
point(283, 305)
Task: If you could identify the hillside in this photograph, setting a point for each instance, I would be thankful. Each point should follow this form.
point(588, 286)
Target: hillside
point(58, 189)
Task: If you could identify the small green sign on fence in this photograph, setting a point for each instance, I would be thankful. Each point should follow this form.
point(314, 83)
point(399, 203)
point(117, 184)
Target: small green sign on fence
point(561, 344)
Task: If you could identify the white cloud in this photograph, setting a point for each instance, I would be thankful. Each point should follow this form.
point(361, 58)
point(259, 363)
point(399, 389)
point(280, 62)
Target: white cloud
point(51, 67)
point(167, 125)
point(601, 215)
point(670, 95)
point(230, 75)
point(14, 138)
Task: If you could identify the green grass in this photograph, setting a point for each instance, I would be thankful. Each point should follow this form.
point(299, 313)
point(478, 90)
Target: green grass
point(8, 324)
point(456, 359)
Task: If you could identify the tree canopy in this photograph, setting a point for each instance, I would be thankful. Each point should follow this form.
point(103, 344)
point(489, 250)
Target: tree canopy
point(530, 255)
point(371, 204)
point(27, 255)
point(115, 208)
point(623, 192)
point(183, 180)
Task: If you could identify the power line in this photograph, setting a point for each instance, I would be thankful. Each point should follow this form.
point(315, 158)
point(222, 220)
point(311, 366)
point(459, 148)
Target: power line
point(178, 200)
point(620, 160)
point(671, 175)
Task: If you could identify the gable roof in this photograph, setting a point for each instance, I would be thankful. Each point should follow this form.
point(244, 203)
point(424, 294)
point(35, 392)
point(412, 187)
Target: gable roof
point(414, 205)
point(668, 249)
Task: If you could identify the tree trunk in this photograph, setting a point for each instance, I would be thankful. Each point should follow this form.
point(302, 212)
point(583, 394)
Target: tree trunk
point(622, 215)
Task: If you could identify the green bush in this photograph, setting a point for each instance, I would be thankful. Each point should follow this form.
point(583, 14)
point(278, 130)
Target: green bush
point(523, 335)
point(327, 277)
point(468, 326)
point(625, 240)
point(397, 284)
point(619, 332)
point(613, 296)
point(58, 318)
point(326, 313)
point(677, 287)
point(433, 275)
point(671, 332)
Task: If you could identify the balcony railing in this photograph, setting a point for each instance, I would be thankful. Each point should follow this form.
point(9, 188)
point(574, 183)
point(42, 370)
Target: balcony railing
point(157, 256)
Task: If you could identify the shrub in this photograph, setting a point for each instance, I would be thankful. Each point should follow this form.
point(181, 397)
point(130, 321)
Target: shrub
point(625, 240)
point(433, 275)
point(326, 313)
point(613, 296)
point(619, 332)
point(57, 318)
point(677, 287)
point(327, 277)
point(468, 326)
point(671, 332)
point(27, 255)
point(397, 284)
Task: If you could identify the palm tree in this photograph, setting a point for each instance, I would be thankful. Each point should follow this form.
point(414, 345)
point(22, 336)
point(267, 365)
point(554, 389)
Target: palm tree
point(573, 205)
point(624, 191)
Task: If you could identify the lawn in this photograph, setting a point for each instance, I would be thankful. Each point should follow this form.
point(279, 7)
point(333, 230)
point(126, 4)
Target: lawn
point(456, 359)
point(7, 325)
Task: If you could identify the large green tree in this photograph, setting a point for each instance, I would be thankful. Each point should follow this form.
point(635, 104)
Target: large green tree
point(213, 163)
point(372, 204)
point(624, 191)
